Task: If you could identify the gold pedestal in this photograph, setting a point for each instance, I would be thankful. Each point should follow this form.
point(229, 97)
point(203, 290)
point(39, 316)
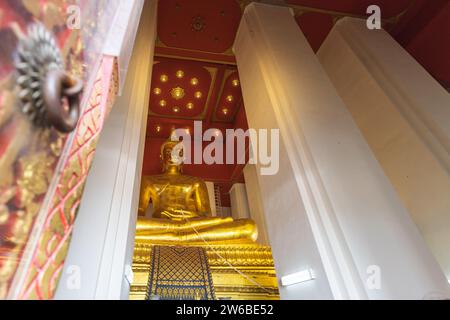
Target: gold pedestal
point(238, 271)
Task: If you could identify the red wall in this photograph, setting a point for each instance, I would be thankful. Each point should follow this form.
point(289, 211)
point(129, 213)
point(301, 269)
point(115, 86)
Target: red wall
point(424, 31)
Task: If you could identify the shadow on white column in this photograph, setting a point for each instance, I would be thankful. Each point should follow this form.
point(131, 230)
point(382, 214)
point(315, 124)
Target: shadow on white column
point(330, 207)
point(404, 114)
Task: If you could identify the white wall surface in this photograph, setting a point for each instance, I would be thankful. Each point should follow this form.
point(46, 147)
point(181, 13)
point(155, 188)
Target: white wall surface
point(255, 202)
point(239, 201)
point(211, 197)
point(404, 114)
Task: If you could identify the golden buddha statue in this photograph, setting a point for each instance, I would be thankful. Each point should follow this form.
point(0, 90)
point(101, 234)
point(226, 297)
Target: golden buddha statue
point(181, 209)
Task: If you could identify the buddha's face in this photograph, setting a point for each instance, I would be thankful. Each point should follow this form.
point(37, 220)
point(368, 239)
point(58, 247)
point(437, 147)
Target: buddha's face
point(172, 155)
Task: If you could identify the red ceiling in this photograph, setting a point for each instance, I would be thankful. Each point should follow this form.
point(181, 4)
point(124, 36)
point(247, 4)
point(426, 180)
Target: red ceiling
point(424, 31)
point(199, 29)
point(196, 36)
point(389, 8)
point(431, 46)
point(315, 26)
point(173, 84)
point(194, 90)
point(201, 25)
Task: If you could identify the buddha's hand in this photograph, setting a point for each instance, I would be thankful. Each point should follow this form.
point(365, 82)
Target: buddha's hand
point(179, 214)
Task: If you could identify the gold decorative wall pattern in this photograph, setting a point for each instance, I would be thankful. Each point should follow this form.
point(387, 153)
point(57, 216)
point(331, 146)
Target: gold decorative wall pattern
point(256, 280)
point(28, 153)
point(48, 254)
point(43, 170)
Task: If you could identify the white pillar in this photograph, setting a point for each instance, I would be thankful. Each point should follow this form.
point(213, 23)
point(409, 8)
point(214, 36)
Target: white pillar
point(212, 197)
point(329, 184)
point(239, 201)
point(103, 237)
point(255, 203)
point(404, 114)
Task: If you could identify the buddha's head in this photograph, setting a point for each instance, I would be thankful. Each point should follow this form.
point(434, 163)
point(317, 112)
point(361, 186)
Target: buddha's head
point(172, 156)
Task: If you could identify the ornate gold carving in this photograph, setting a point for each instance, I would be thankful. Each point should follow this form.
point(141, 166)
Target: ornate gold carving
point(227, 73)
point(177, 93)
point(32, 6)
point(213, 71)
point(5, 196)
point(20, 202)
point(48, 256)
point(54, 15)
point(198, 24)
point(35, 174)
point(7, 101)
point(28, 157)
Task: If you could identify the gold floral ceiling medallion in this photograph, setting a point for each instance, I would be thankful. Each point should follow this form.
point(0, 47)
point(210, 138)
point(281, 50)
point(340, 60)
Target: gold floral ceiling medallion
point(198, 24)
point(177, 93)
